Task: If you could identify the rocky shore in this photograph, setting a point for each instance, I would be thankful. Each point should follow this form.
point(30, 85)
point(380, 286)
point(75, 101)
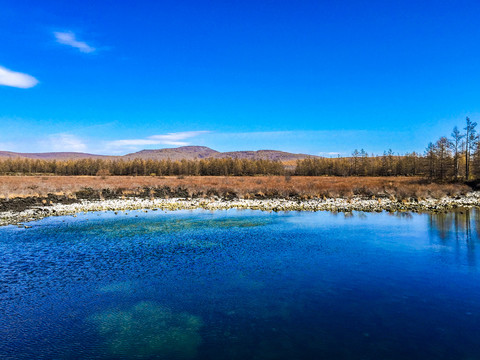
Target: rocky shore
point(36, 212)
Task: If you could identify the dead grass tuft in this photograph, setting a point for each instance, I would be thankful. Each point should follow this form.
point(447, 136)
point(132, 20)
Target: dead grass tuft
point(400, 188)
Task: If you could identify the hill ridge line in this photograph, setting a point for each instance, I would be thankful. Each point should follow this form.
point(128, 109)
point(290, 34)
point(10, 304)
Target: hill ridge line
point(190, 152)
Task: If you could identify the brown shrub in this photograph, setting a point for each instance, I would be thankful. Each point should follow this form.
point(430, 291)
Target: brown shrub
point(103, 173)
point(297, 186)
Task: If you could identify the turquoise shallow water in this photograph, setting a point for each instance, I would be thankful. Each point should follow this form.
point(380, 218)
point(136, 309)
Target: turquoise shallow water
point(241, 285)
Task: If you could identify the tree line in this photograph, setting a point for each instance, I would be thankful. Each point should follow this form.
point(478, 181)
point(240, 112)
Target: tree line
point(361, 164)
point(451, 158)
point(454, 158)
point(141, 167)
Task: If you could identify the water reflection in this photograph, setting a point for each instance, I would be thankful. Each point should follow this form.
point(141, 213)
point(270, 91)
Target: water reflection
point(457, 229)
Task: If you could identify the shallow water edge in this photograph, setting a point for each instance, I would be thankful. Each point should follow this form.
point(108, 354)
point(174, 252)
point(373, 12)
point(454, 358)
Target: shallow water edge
point(335, 205)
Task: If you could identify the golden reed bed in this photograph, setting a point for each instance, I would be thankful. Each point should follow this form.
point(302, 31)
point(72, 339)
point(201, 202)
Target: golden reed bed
point(243, 187)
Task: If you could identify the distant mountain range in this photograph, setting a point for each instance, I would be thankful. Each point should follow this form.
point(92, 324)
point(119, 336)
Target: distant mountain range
point(183, 152)
point(52, 155)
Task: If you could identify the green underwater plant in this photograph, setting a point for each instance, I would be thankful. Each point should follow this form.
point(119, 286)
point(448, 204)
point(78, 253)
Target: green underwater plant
point(148, 330)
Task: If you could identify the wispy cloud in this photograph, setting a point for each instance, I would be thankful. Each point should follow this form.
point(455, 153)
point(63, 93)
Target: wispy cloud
point(63, 142)
point(16, 79)
point(68, 38)
point(329, 153)
point(176, 139)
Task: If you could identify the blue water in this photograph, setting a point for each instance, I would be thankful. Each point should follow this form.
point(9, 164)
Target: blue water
point(241, 285)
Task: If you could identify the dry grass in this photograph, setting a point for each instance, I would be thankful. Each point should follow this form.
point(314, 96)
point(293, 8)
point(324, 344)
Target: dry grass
point(244, 187)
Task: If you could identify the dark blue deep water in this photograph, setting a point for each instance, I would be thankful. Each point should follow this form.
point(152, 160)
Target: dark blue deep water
point(241, 285)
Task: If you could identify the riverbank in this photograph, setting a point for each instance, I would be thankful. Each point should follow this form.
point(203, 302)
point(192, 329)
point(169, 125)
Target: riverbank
point(468, 200)
point(63, 188)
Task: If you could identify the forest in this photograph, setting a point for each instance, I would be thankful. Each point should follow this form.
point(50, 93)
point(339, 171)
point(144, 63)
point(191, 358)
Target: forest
point(141, 167)
point(453, 158)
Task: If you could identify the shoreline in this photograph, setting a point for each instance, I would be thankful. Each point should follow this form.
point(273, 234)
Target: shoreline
point(37, 212)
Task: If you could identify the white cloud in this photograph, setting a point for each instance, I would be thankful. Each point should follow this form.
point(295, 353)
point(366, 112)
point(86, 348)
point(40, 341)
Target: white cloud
point(16, 79)
point(166, 139)
point(64, 142)
point(68, 38)
point(329, 153)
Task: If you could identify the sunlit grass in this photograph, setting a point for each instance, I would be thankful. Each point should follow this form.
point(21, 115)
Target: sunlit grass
point(243, 187)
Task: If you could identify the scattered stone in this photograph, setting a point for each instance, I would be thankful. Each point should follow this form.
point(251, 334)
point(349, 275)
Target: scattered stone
point(322, 204)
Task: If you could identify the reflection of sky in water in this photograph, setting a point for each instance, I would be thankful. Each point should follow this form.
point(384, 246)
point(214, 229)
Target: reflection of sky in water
point(241, 284)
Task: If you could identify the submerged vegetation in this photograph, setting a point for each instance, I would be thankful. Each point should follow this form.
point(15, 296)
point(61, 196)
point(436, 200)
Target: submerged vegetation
point(147, 330)
point(290, 289)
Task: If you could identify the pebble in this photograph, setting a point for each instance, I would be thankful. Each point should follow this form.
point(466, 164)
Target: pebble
point(335, 205)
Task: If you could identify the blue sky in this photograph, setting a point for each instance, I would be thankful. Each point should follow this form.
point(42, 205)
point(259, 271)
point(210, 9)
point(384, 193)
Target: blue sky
point(320, 77)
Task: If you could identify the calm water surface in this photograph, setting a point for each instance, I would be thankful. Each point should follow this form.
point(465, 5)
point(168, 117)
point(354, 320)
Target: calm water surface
point(241, 285)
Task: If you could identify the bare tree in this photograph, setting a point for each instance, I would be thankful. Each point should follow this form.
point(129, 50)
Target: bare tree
point(442, 148)
point(355, 156)
point(470, 142)
point(456, 144)
point(430, 154)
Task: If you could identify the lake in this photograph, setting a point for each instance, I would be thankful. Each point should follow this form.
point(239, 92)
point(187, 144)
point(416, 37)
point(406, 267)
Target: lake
point(241, 285)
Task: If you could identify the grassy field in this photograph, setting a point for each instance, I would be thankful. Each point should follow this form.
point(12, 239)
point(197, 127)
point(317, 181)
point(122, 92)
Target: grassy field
point(242, 187)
